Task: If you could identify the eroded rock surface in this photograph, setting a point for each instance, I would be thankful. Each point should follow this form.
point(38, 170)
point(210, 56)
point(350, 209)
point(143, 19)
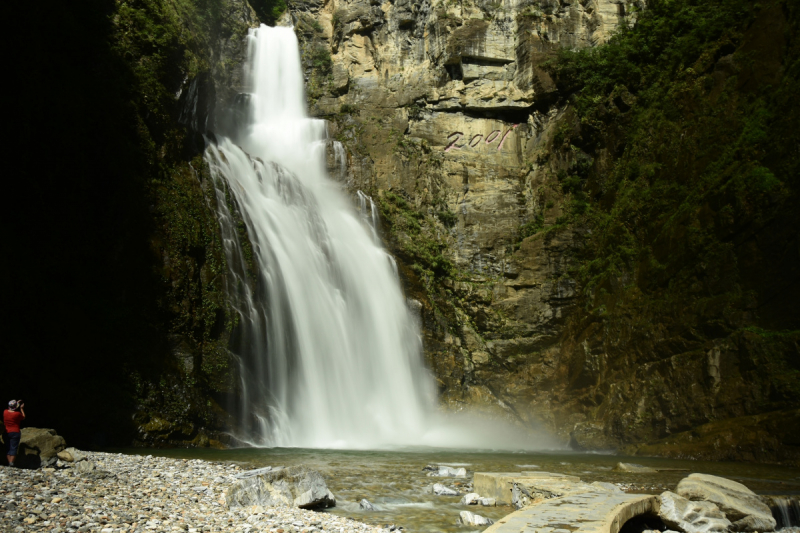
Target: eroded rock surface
point(691, 516)
point(295, 486)
point(741, 505)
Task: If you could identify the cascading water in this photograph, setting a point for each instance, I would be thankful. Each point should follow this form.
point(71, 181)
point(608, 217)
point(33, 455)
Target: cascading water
point(785, 510)
point(330, 354)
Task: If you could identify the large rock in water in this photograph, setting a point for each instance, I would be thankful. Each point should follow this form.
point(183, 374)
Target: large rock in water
point(741, 505)
point(691, 517)
point(468, 518)
point(39, 447)
point(296, 486)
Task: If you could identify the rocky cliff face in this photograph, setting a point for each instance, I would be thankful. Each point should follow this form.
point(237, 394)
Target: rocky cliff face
point(484, 171)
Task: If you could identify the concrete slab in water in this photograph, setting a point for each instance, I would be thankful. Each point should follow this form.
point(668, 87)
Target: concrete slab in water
point(588, 512)
point(498, 485)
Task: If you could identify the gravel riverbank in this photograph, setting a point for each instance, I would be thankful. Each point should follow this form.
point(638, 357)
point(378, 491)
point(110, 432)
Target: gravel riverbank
point(132, 494)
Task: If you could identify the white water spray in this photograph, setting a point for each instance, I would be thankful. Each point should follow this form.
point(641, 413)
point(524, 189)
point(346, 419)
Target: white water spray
point(330, 353)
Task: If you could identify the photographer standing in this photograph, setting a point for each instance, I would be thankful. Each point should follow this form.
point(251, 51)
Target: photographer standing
point(12, 418)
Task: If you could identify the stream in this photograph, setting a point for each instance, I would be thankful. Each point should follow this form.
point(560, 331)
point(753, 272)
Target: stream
point(394, 482)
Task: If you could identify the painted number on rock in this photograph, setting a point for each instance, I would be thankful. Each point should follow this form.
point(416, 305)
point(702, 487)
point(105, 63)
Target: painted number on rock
point(475, 140)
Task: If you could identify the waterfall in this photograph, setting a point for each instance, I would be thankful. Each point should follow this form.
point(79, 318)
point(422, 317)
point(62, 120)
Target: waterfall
point(785, 510)
point(330, 353)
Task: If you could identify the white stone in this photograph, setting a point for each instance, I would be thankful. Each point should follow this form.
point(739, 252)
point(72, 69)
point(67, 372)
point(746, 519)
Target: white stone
point(471, 519)
point(471, 499)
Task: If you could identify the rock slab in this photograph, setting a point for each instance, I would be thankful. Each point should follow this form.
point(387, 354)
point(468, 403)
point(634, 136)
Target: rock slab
point(598, 511)
point(741, 505)
point(296, 486)
point(689, 516)
point(531, 485)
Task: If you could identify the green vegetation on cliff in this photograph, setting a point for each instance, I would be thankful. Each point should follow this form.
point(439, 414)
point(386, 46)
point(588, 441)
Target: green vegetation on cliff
point(692, 203)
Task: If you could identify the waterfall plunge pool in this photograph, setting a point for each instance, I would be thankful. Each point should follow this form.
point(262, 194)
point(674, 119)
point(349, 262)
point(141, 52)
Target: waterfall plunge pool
point(395, 483)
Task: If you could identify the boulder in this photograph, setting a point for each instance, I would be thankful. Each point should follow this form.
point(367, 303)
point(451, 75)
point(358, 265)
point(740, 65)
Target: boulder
point(488, 502)
point(691, 517)
point(471, 499)
point(365, 505)
point(84, 467)
point(71, 455)
point(740, 505)
point(442, 490)
point(296, 486)
point(471, 519)
point(633, 468)
point(39, 447)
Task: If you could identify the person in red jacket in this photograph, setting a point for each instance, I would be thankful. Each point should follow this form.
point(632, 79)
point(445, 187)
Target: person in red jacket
point(12, 418)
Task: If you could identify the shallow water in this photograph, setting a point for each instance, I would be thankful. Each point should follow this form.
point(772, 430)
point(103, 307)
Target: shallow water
point(395, 483)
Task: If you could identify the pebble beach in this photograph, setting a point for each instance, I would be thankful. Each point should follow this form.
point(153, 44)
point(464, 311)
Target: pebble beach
point(132, 494)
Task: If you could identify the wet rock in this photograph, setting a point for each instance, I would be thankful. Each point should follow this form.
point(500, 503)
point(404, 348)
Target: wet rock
point(691, 516)
point(366, 505)
point(39, 447)
point(295, 486)
point(446, 471)
point(468, 518)
point(470, 499)
point(740, 504)
point(633, 468)
point(475, 499)
point(442, 490)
